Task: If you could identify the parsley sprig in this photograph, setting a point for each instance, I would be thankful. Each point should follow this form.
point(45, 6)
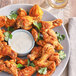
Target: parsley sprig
point(20, 66)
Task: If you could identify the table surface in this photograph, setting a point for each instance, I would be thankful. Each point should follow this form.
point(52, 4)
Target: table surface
point(7, 2)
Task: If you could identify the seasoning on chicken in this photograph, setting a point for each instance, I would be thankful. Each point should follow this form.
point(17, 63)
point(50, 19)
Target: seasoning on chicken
point(27, 71)
point(5, 50)
point(3, 20)
point(36, 11)
point(1, 35)
point(21, 12)
point(35, 53)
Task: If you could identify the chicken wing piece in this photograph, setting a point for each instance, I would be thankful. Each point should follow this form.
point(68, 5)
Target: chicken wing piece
point(35, 53)
point(41, 43)
point(50, 70)
point(1, 35)
point(21, 61)
point(9, 66)
point(5, 50)
point(3, 20)
point(36, 11)
point(50, 37)
point(10, 22)
point(24, 22)
point(55, 57)
point(28, 71)
point(34, 34)
point(47, 50)
point(21, 12)
point(50, 24)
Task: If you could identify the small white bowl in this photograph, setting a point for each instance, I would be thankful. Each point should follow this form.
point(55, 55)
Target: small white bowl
point(33, 42)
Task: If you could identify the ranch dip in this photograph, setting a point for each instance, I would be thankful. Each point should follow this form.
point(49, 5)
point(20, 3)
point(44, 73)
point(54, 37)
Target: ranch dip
point(21, 42)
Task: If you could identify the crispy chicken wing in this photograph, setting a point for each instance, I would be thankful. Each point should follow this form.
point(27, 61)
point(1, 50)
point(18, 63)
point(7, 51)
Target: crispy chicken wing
point(3, 20)
point(50, 24)
point(50, 70)
point(28, 71)
point(24, 22)
point(34, 34)
point(36, 11)
point(10, 22)
point(50, 37)
point(35, 53)
point(9, 66)
point(1, 35)
point(5, 50)
point(47, 50)
point(21, 12)
point(55, 57)
point(21, 61)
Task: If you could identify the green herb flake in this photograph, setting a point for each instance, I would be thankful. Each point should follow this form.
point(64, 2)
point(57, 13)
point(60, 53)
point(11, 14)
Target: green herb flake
point(10, 36)
point(60, 37)
point(20, 66)
point(38, 25)
point(42, 70)
point(12, 15)
point(32, 64)
point(62, 55)
point(28, 61)
point(10, 29)
point(6, 33)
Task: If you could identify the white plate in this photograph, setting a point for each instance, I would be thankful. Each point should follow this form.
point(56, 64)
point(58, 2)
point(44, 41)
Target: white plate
point(46, 16)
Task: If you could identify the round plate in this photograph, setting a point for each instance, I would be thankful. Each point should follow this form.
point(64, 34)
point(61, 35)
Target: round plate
point(46, 17)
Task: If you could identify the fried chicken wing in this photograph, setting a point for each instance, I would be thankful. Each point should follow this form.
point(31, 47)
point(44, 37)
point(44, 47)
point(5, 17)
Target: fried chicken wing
point(21, 12)
point(34, 34)
point(50, 24)
point(28, 71)
point(47, 50)
point(9, 66)
point(55, 57)
point(3, 20)
point(1, 35)
point(10, 22)
point(35, 53)
point(5, 50)
point(24, 22)
point(50, 37)
point(50, 70)
point(21, 61)
point(36, 11)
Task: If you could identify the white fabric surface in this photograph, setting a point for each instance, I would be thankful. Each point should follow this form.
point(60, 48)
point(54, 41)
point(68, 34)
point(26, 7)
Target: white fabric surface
point(72, 35)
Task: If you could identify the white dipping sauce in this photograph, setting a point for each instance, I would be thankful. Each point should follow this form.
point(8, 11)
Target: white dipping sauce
point(21, 42)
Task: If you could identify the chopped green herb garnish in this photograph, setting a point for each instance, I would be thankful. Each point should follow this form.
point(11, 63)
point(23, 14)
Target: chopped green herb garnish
point(12, 15)
point(42, 70)
point(20, 66)
point(10, 29)
point(62, 55)
point(38, 25)
point(60, 37)
point(30, 63)
point(7, 36)
point(39, 37)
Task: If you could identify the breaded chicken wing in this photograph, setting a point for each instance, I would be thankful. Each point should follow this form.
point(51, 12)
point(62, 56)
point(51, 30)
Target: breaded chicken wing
point(21, 61)
point(21, 12)
point(55, 57)
point(47, 50)
point(24, 22)
point(10, 22)
point(35, 53)
point(36, 11)
point(34, 34)
point(28, 71)
point(50, 24)
point(5, 50)
point(9, 66)
point(3, 20)
point(50, 70)
point(50, 37)
point(1, 35)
